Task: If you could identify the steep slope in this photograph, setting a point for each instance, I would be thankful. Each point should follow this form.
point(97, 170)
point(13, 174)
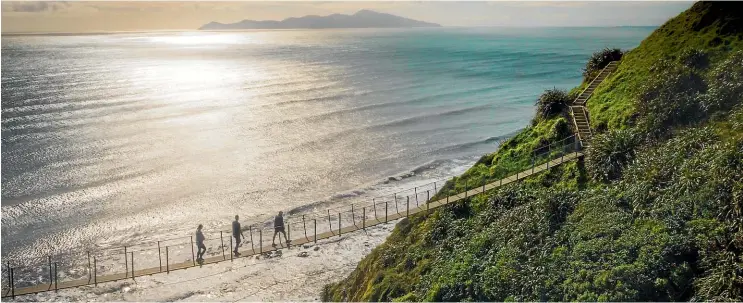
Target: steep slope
point(707, 31)
point(654, 213)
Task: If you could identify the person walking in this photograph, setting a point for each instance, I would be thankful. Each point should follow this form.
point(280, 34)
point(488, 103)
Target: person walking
point(237, 233)
point(278, 227)
point(200, 244)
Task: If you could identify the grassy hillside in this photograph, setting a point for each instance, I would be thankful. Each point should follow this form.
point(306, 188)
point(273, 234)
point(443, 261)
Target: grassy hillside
point(705, 34)
point(655, 212)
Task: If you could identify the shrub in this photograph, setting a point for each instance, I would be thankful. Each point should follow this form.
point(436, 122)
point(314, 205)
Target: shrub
point(552, 102)
point(671, 98)
point(725, 85)
point(694, 58)
point(599, 60)
point(609, 153)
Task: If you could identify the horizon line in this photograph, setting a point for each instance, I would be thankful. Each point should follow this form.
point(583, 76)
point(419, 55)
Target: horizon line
point(46, 33)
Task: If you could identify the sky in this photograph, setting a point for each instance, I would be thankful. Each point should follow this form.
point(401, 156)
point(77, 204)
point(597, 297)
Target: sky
point(96, 16)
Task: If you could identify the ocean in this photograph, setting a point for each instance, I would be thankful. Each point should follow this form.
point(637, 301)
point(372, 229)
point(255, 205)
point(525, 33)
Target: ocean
point(117, 139)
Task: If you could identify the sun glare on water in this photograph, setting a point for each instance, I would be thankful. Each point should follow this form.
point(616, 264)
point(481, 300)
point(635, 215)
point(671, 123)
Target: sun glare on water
point(202, 39)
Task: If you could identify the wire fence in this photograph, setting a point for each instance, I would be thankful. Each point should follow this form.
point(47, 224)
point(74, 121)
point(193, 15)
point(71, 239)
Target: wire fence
point(82, 267)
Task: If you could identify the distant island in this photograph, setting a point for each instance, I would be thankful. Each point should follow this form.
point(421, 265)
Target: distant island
point(361, 19)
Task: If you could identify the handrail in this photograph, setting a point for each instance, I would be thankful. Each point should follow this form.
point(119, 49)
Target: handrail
point(583, 110)
point(594, 79)
point(602, 71)
point(585, 114)
point(575, 123)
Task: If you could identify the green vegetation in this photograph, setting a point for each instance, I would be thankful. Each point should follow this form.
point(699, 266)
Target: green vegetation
point(599, 60)
point(552, 102)
point(610, 153)
point(712, 28)
point(655, 213)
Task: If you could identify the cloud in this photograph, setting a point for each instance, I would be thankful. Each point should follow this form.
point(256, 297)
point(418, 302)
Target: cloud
point(32, 6)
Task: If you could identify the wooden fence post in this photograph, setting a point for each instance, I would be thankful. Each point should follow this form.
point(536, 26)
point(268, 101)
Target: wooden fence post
point(51, 278)
point(353, 216)
point(167, 262)
point(416, 196)
point(385, 212)
point(375, 210)
point(407, 207)
point(252, 245)
point(56, 277)
point(288, 235)
point(330, 224)
point(12, 284)
point(95, 272)
point(221, 239)
point(160, 257)
point(126, 263)
point(304, 225)
point(90, 273)
point(193, 255)
point(397, 210)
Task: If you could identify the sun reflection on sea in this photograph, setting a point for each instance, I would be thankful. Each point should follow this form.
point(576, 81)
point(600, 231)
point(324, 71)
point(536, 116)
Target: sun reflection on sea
point(204, 39)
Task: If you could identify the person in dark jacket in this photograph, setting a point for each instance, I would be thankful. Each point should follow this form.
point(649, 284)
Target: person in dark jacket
point(237, 233)
point(278, 226)
point(200, 244)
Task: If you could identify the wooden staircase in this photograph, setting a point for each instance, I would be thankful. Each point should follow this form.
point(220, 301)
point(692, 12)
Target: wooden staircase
point(578, 108)
point(580, 119)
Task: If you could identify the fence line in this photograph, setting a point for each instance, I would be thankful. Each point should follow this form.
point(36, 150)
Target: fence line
point(86, 268)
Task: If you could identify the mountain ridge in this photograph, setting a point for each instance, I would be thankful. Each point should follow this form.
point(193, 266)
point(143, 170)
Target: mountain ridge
point(362, 19)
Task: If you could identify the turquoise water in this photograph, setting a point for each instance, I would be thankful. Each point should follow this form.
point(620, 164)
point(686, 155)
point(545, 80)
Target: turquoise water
point(115, 139)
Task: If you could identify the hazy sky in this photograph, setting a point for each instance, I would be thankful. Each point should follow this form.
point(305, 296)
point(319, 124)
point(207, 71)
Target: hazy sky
point(77, 16)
